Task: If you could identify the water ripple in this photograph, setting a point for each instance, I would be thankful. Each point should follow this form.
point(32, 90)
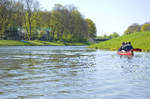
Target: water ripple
point(72, 72)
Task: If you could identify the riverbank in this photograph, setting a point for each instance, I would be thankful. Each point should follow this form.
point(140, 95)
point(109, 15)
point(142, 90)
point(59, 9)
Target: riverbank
point(139, 40)
point(36, 43)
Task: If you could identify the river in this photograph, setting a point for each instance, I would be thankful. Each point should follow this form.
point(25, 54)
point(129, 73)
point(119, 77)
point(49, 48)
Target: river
point(72, 72)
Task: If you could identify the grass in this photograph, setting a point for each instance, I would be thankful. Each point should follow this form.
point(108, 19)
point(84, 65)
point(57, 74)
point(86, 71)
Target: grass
point(139, 40)
point(36, 43)
point(44, 43)
point(76, 44)
point(12, 43)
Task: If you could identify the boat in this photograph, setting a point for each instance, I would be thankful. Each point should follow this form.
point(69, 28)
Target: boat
point(127, 53)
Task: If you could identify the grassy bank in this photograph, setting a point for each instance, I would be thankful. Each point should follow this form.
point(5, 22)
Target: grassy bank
point(139, 40)
point(36, 43)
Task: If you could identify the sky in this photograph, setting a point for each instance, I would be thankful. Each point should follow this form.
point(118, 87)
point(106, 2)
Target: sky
point(108, 15)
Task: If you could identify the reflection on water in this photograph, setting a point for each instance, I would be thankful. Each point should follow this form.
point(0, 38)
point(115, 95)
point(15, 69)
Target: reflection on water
point(72, 72)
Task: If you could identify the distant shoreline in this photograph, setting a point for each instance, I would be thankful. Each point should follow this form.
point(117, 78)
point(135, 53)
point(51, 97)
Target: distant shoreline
point(139, 40)
point(37, 43)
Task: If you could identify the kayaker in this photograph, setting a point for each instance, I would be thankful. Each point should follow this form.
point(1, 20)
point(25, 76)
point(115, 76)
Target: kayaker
point(128, 46)
point(122, 47)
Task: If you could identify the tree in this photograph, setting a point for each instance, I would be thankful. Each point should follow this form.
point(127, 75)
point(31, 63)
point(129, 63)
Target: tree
point(114, 35)
point(22, 19)
point(15, 21)
point(68, 24)
point(80, 27)
point(31, 7)
point(91, 28)
point(145, 27)
point(44, 25)
point(4, 16)
point(133, 28)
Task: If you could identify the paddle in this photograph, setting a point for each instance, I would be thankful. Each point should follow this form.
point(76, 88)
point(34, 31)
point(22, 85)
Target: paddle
point(137, 49)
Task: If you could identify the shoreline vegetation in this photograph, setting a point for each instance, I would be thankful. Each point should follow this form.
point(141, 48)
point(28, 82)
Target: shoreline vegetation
point(25, 20)
point(24, 23)
point(38, 43)
point(138, 40)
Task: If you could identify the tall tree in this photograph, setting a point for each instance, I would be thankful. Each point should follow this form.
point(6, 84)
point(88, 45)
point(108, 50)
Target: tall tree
point(91, 28)
point(62, 23)
point(114, 35)
point(4, 16)
point(44, 25)
point(68, 22)
point(79, 26)
point(145, 27)
point(133, 28)
point(31, 6)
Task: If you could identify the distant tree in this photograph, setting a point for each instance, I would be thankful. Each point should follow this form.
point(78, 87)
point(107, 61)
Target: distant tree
point(114, 35)
point(147, 23)
point(91, 28)
point(133, 28)
point(44, 25)
point(31, 6)
point(4, 16)
point(111, 36)
point(68, 24)
point(15, 21)
point(145, 27)
point(55, 21)
point(103, 37)
point(9, 19)
point(22, 19)
point(80, 27)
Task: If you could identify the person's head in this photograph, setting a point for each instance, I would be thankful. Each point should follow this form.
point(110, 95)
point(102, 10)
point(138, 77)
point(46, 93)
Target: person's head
point(129, 42)
point(123, 43)
point(126, 43)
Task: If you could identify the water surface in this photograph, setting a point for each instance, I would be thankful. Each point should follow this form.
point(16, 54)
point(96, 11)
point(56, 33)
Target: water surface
point(72, 72)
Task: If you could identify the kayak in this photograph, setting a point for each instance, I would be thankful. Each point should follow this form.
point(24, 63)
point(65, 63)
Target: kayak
point(128, 53)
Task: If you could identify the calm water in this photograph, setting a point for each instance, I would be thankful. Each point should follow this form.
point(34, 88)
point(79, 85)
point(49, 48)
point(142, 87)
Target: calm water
point(72, 72)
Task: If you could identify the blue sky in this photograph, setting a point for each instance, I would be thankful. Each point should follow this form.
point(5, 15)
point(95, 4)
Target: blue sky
point(108, 15)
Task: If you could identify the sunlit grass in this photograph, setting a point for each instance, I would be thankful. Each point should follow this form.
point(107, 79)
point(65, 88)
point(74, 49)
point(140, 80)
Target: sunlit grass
point(36, 43)
point(12, 43)
point(139, 40)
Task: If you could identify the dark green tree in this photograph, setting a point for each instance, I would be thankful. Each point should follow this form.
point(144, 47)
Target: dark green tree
point(133, 28)
point(145, 27)
point(91, 28)
point(113, 35)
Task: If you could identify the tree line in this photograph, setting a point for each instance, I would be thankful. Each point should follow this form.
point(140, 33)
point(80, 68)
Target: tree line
point(23, 20)
point(135, 27)
point(111, 36)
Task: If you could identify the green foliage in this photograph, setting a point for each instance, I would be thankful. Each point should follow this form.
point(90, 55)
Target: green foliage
point(68, 24)
point(114, 35)
point(103, 37)
point(11, 18)
point(137, 28)
point(12, 43)
point(22, 19)
point(133, 28)
point(35, 43)
point(138, 40)
point(91, 28)
point(145, 27)
point(111, 36)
